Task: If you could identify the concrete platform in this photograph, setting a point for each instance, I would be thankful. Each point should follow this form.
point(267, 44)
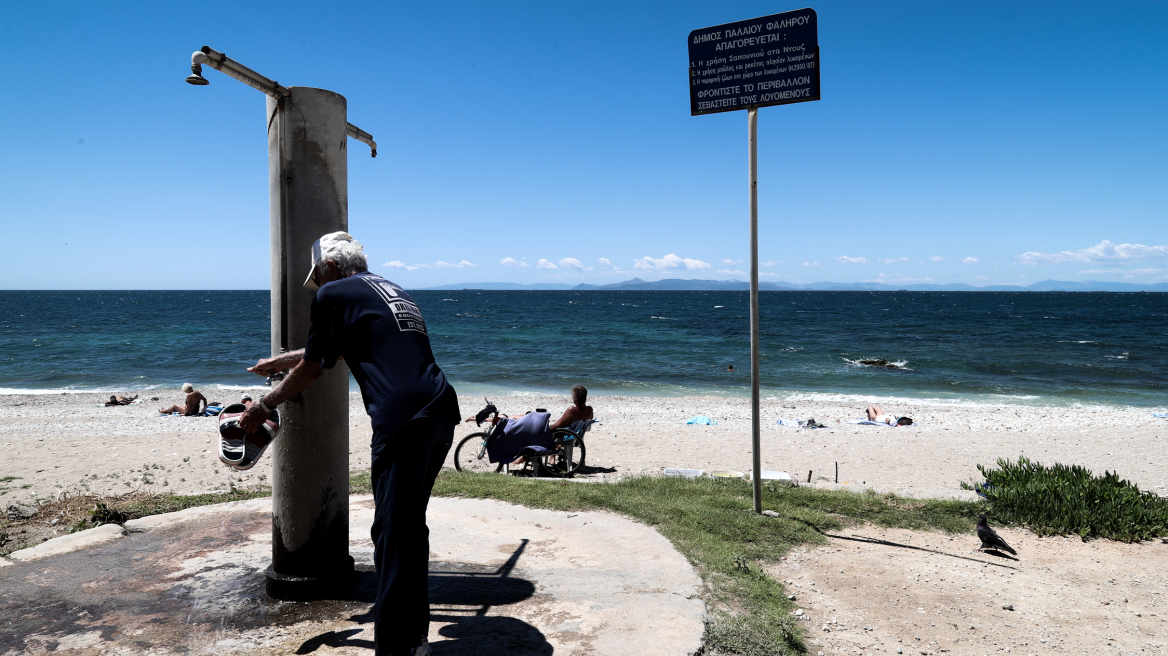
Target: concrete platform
point(504, 580)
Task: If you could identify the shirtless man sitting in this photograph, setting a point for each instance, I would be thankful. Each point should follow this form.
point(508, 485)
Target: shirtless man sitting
point(196, 403)
point(578, 410)
point(573, 414)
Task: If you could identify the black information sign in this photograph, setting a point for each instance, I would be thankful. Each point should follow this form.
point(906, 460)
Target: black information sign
point(773, 60)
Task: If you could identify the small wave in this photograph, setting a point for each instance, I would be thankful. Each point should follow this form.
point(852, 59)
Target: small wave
point(663, 318)
point(901, 365)
point(718, 306)
point(452, 300)
point(1122, 356)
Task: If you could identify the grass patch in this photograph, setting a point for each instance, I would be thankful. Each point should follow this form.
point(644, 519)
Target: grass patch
point(711, 522)
point(1063, 500)
point(8, 479)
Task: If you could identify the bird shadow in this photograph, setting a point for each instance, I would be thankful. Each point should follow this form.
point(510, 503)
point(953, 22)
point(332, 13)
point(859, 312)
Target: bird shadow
point(887, 543)
point(999, 554)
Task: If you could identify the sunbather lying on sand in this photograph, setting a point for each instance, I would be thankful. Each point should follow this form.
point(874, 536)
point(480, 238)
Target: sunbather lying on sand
point(118, 399)
point(876, 414)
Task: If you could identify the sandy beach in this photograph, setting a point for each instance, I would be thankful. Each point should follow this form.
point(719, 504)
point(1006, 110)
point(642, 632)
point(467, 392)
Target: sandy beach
point(50, 443)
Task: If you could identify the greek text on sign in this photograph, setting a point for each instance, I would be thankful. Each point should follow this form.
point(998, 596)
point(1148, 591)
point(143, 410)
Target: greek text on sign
point(773, 60)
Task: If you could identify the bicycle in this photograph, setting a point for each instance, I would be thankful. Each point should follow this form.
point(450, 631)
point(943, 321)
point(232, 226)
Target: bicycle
point(563, 460)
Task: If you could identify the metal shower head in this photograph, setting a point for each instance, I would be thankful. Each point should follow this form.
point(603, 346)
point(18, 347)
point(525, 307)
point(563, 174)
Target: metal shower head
point(196, 77)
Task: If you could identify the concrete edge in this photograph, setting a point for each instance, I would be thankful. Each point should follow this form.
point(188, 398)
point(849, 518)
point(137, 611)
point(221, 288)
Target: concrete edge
point(67, 543)
point(151, 522)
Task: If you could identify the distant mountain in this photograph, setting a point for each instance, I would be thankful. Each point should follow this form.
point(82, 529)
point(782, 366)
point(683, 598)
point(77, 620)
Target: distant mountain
point(500, 285)
point(1095, 286)
point(677, 284)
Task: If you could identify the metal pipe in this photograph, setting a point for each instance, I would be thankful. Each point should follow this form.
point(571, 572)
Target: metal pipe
point(228, 66)
point(752, 127)
point(224, 64)
point(363, 136)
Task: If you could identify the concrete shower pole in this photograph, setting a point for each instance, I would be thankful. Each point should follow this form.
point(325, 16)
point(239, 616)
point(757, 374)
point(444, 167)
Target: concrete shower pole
point(308, 185)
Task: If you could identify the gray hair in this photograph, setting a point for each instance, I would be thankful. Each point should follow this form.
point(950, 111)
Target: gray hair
point(187, 387)
point(348, 254)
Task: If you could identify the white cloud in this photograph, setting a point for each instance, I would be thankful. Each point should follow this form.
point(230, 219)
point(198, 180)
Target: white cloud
point(728, 272)
point(670, 261)
point(605, 263)
point(772, 263)
point(731, 261)
point(453, 265)
point(811, 264)
point(398, 264)
point(514, 263)
point(1104, 251)
point(893, 260)
point(970, 260)
point(844, 259)
point(571, 263)
point(544, 264)
point(937, 258)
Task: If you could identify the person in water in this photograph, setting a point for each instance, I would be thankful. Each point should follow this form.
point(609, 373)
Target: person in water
point(730, 368)
point(195, 403)
point(878, 415)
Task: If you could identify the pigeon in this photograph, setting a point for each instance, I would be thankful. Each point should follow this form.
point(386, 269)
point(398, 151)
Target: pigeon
point(989, 539)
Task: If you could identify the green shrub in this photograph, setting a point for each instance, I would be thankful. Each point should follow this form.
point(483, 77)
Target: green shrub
point(1062, 500)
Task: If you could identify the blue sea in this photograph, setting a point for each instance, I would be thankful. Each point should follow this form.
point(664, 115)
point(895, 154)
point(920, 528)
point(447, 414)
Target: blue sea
point(1030, 348)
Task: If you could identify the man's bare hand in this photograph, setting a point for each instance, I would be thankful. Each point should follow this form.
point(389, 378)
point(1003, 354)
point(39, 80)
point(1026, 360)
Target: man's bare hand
point(267, 366)
point(282, 362)
point(253, 418)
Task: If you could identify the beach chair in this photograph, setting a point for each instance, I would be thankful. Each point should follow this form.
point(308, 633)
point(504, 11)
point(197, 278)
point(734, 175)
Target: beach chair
point(562, 458)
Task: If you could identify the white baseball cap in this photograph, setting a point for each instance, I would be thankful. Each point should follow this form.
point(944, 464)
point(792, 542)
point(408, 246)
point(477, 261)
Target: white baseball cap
point(318, 247)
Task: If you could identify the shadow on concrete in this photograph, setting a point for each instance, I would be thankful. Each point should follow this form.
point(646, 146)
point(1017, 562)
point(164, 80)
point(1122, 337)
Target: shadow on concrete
point(461, 595)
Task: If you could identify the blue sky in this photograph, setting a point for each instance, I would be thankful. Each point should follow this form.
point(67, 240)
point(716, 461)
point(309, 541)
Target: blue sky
point(983, 144)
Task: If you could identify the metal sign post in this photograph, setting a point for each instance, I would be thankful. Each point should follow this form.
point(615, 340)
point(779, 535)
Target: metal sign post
point(772, 60)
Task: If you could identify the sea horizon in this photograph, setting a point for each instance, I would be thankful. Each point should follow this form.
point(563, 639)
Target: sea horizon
point(994, 348)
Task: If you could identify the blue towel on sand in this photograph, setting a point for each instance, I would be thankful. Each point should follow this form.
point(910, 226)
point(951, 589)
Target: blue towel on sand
point(702, 420)
point(1162, 415)
point(786, 422)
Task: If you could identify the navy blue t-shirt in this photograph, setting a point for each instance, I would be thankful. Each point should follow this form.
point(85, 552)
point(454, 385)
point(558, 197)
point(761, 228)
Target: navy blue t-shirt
point(379, 330)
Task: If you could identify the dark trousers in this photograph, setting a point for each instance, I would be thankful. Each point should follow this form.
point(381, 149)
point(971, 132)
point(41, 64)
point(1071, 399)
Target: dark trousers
point(403, 475)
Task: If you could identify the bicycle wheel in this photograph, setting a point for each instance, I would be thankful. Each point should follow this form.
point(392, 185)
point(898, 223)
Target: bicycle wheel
point(471, 455)
point(558, 465)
